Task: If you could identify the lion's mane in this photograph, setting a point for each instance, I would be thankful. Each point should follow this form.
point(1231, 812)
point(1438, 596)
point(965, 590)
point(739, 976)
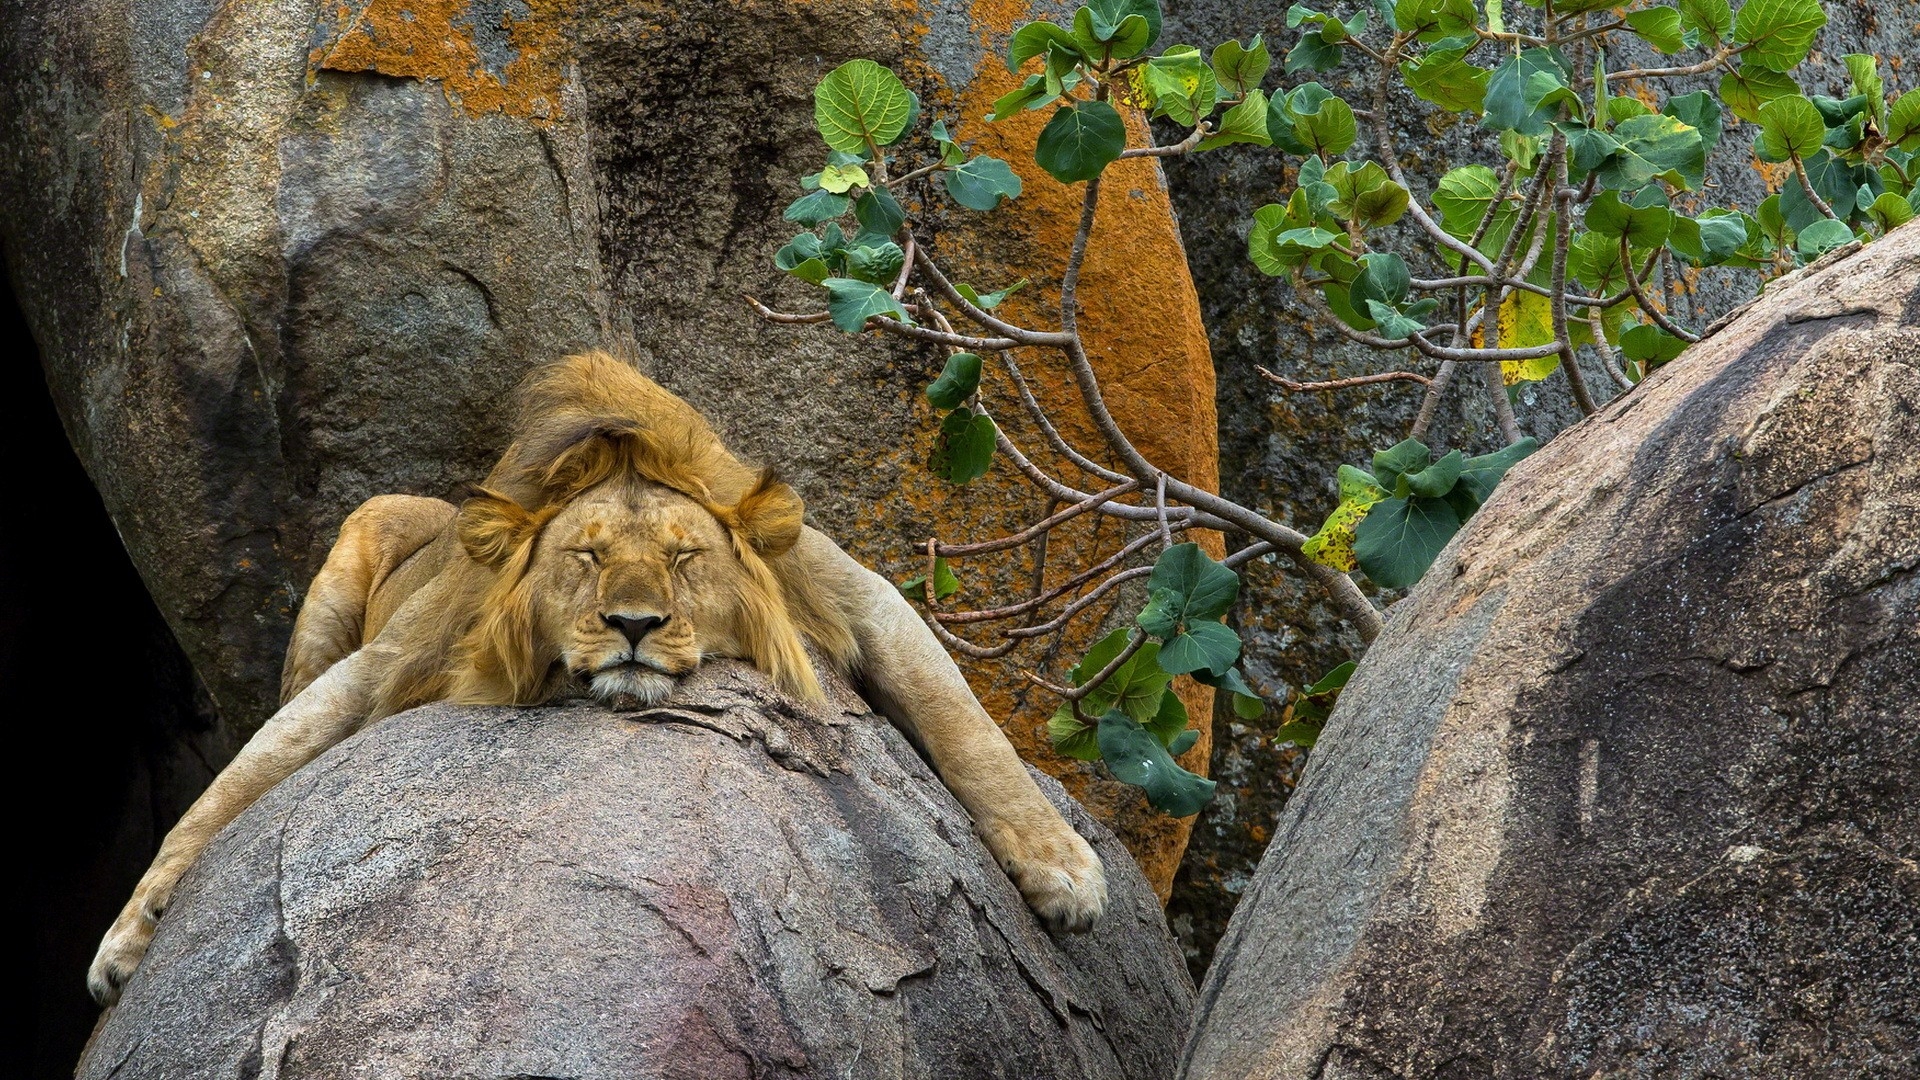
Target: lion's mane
point(580, 422)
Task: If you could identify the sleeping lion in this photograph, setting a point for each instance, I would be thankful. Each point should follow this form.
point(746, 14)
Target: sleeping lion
point(615, 546)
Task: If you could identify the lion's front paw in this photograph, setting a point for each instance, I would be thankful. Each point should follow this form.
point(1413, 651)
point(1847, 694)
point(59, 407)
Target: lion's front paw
point(1059, 874)
point(120, 953)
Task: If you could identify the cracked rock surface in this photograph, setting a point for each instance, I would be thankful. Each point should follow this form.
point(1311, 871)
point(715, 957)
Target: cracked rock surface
point(1627, 786)
point(725, 885)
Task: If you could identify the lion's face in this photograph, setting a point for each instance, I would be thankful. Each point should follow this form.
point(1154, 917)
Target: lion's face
point(633, 585)
point(626, 583)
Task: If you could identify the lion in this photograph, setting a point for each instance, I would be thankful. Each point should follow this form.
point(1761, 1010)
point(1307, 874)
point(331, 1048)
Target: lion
point(616, 546)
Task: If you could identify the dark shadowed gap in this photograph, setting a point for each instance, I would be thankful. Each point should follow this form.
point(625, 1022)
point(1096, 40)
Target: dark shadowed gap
point(106, 722)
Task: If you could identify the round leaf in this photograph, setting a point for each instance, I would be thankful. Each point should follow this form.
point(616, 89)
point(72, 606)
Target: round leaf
point(957, 382)
point(1080, 141)
point(861, 105)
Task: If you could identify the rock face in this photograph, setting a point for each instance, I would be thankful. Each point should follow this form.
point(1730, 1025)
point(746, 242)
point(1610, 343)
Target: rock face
point(1627, 786)
point(284, 255)
point(726, 885)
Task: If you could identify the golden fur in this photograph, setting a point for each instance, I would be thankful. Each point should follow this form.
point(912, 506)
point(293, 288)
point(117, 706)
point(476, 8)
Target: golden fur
point(615, 546)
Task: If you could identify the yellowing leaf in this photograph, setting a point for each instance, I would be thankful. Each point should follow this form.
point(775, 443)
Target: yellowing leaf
point(1526, 318)
point(839, 179)
point(1333, 544)
point(1515, 372)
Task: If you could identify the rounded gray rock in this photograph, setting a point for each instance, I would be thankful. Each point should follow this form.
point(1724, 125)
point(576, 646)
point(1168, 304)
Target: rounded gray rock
point(1627, 787)
point(728, 884)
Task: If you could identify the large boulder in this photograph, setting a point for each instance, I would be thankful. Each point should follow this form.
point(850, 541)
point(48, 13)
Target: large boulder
point(284, 255)
point(728, 884)
point(1627, 788)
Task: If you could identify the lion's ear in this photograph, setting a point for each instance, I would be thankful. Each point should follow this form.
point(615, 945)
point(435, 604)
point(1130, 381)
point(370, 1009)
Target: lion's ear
point(491, 526)
point(768, 517)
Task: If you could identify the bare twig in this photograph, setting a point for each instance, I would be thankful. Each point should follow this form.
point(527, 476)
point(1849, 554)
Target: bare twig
point(1646, 303)
point(1041, 527)
point(1342, 384)
point(1200, 131)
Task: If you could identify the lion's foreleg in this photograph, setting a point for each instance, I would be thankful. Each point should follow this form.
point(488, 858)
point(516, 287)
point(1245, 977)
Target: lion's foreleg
point(910, 678)
point(321, 715)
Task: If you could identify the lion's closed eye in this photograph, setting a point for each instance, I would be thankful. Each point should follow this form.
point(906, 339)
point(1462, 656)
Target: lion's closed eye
point(685, 555)
point(586, 555)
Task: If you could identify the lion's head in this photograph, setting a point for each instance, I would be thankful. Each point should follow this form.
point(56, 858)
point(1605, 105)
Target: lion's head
point(620, 544)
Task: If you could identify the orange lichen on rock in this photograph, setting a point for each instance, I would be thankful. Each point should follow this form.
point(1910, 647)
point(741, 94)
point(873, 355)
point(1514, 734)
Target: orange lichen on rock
point(512, 60)
point(1140, 318)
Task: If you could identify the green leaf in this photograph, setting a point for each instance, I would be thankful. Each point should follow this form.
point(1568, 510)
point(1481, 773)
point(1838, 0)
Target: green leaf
point(980, 183)
point(1239, 70)
point(1136, 757)
point(1184, 741)
point(815, 207)
point(1037, 39)
point(1114, 13)
point(1168, 723)
point(1777, 34)
point(1187, 584)
point(945, 583)
point(1479, 475)
point(1890, 211)
point(800, 251)
point(1700, 111)
point(966, 445)
point(1393, 322)
point(1080, 141)
point(1644, 227)
point(1400, 538)
point(1405, 456)
point(1836, 181)
point(1654, 147)
point(1100, 40)
point(1244, 123)
point(1746, 90)
point(1135, 687)
point(1821, 237)
point(1313, 704)
point(879, 215)
point(1032, 94)
point(1246, 707)
point(861, 105)
point(988, 301)
point(1364, 194)
point(1717, 235)
point(1650, 346)
point(877, 263)
point(958, 381)
point(1180, 84)
point(1204, 646)
point(1313, 52)
point(1281, 239)
point(1072, 738)
point(1789, 127)
point(1437, 479)
point(852, 302)
point(1321, 122)
point(1432, 20)
point(1445, 78)
point(1659, 27)
point(1464, 196)
point(1863, 69)
point(1712, 20)
point(1383, 277)
point(1524, 92)
point(1903, 122)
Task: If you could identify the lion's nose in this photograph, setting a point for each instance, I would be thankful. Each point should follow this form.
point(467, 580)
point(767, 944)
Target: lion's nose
point(635, 627)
